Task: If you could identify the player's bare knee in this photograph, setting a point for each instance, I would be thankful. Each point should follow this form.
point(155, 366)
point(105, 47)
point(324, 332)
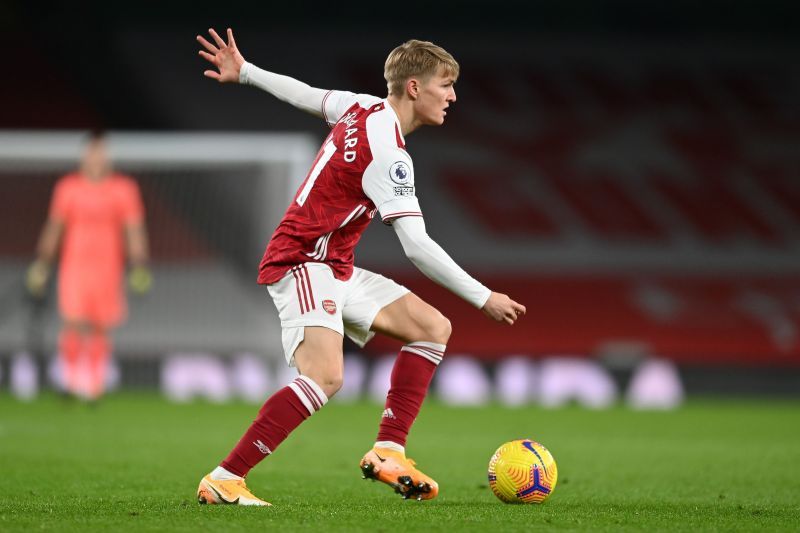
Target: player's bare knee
point(447, 330)
point(328, 375)
point(330, 383)
point(439, 329)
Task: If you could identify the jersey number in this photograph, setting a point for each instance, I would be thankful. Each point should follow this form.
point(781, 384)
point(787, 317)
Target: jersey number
point(327, 152)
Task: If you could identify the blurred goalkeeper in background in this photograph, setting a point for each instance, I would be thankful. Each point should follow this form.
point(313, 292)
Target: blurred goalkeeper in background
point(99, 216)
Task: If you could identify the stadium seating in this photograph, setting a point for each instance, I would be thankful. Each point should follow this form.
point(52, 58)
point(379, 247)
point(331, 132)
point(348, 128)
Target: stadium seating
point(639, 201)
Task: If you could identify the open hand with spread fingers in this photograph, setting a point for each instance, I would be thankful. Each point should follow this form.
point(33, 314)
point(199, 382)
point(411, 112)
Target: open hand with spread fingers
point(224, 56)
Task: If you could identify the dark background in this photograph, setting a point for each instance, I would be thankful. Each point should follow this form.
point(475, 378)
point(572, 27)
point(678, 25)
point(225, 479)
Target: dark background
point(68, 51)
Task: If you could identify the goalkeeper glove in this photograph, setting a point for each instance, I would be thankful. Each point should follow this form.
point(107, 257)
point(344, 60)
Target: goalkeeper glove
point(140, 279)
point(36, 278)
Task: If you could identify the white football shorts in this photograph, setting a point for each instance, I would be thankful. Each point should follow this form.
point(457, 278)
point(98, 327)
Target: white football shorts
point(310, 295)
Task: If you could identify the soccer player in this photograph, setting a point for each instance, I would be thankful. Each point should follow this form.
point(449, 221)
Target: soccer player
point(98, 214)
point(362, 170)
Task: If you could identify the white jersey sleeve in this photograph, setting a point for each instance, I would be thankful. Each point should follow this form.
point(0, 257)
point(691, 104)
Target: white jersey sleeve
point(336, 103)
point(389, 179)
point(288, 89)
point(434, 262)
point(330, 105)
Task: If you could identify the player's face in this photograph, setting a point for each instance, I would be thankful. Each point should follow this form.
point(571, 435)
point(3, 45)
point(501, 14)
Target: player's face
point(435, 96)
point(95, 160)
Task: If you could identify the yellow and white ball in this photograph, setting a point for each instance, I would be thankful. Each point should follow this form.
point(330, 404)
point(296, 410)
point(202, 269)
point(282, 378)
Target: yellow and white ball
point(522, 471)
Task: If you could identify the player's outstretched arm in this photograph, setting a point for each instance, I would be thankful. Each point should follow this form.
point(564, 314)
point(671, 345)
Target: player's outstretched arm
point(232, 67)
point(435, 263)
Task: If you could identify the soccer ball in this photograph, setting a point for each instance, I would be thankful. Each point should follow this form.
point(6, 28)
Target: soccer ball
point(522, 471)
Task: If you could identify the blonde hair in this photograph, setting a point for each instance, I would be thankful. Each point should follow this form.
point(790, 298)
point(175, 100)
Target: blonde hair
point(416, 58)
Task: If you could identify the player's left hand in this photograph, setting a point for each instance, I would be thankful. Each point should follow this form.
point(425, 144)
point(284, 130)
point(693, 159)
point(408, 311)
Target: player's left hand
point(36, 278)
point(224, 56)
point(500, 308)
point(140, 279)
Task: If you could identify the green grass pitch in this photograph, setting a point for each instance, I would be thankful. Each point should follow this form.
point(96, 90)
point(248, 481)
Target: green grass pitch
point(134, 461)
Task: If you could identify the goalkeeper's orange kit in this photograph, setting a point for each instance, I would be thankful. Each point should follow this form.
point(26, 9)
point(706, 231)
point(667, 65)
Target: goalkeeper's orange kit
point(92, 262)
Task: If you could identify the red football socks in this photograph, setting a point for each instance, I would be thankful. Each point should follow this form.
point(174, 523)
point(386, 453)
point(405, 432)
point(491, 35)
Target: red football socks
point(411, 376)
point(279, 416)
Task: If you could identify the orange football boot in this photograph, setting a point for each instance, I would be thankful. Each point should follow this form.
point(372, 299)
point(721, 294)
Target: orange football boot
point(229, 491)
point(392, 467)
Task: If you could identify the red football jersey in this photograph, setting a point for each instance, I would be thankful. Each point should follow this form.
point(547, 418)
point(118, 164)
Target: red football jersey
point(361, 168)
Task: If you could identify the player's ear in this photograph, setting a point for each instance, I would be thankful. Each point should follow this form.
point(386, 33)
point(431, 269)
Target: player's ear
point(412, 88)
